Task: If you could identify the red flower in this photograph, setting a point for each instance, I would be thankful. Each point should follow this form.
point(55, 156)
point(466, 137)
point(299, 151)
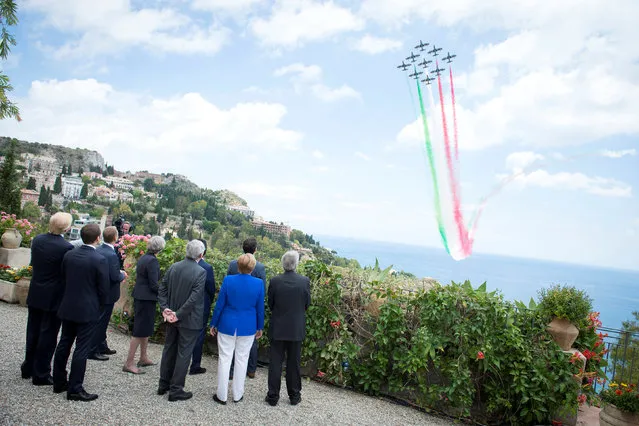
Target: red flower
point(480, 355)
point(619, 392)
point(336, 324)
point(582, 398)
point(320, 374)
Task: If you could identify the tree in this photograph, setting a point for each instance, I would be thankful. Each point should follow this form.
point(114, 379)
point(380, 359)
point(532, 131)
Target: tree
point(197, 208)
point(149, 185)
point(44, 195)
point(31, 184)
point(31, 211)
point(625, 356)
point(8, 18)
point(84, 191)
point(57, 186)
point(64, 169)
point(69, 169)
point(182, 229)
point(9, 181)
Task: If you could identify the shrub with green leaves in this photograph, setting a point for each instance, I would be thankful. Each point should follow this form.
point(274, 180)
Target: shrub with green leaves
point(568, 302)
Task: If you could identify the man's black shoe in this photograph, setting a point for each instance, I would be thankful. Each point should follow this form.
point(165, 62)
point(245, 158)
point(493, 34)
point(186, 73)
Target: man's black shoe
point(47, 381)
point(99, 357)
point(81, 396)
point(182, 396)
point(109, 352)
point(60, 388)
point(271, 402)
point(296, 401)
point(23, 371)
point(162, 391)
point(199, 370)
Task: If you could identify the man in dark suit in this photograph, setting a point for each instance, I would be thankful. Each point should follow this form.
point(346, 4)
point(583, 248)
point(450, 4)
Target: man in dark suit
point(209, 295)
point(181, 296)
point(86, 289)
point(249, 246)
point(100, 348)
point(289, 296)
point(45, 293)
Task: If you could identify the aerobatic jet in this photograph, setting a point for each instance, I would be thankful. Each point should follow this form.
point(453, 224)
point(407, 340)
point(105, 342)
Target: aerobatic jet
point(412, 57)
point(424, 63)
point(437, 71)
point(449, 58)
point(416, 74)
point(421, 45)
point(428, 79)
point(403, 66)
point(435, 50)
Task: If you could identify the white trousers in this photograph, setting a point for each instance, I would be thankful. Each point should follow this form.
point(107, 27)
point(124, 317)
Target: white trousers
point(226, 344)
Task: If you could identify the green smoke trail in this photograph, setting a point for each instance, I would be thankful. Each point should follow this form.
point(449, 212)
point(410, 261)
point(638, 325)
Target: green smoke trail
point(433, 171)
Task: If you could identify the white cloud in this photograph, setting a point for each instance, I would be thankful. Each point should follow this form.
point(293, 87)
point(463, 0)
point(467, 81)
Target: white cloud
point(545, 83)
point(318, 154)
point(297, 22)
point(320, 169)
point(618, 154)
point(359, 205)
point(309, 78)
point(107, 27)
point(226, 5)
point(286, 192)
point(576, 182)
point(518, 161)
point(95, 115)
point(362, 156)
point(375, 45)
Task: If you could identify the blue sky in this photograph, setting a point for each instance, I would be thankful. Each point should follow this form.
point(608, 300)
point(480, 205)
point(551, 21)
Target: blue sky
point(297, 106)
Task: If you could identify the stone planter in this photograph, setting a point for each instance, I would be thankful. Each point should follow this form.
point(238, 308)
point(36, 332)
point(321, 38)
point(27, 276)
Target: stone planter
point(22, 290)
point(612, 416)
point(563, 332)
point(11, 238)
point(8, 292)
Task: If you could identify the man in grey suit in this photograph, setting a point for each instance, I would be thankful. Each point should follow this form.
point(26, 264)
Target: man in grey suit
point(289, 296)
point(181, 296)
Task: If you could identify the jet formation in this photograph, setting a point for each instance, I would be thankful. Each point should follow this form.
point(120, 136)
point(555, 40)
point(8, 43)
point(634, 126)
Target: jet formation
point(425, 63)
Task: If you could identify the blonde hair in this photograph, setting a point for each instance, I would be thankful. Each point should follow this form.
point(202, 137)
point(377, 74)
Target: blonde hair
point(110, 234)
point(246, 263)
point(60, 222)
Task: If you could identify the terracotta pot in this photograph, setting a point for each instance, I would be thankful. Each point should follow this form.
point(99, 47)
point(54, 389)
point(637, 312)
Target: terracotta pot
point(612, 416)
point(22, 290)
point(11, 238)
point(563, 332)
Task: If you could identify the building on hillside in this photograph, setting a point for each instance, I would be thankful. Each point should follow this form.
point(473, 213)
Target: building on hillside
point(119, 182)
point(42, 179)
point(272, 227)
point(48, 166)
point(143, 175)
point(71, 187)
point(245, 210)
point(29, 195)
point(104, 192)
point(93, 175)
point(126, 196)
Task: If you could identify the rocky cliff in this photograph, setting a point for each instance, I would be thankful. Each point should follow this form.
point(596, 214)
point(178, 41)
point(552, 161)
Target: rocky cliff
point(77, 157)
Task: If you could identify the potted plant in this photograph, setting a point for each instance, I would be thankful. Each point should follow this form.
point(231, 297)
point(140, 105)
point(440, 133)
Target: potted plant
point(7, 284)
point(621, 405)
point(23, 281)
point(566, 309)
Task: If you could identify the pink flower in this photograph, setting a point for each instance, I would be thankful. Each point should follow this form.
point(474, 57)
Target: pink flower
point(28, 232)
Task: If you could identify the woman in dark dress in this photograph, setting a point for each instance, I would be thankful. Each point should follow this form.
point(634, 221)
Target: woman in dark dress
point(145, 296)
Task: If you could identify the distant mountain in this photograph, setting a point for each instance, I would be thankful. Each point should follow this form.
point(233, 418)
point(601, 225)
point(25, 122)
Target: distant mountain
point(230, 198)
point(77, 157)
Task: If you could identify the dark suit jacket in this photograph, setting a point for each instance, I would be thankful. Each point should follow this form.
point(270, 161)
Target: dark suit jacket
point(258, 272)
point(289, 296)
point(147, 277)
point(115, 276)
point(47, 252)
point(209, 287)
point(182, 291)
point(86, 285)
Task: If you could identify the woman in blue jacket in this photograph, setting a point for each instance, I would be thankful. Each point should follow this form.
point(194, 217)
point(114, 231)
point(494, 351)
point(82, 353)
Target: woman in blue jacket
point(238, 319)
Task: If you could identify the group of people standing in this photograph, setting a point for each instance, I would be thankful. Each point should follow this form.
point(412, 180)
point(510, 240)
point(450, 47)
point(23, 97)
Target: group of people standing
point(75, 288)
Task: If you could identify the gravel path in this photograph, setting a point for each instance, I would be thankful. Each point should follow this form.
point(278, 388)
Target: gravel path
point(129, 399)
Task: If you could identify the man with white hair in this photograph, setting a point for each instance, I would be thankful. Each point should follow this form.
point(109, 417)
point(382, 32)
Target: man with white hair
point(181, 296)
point(289, 296)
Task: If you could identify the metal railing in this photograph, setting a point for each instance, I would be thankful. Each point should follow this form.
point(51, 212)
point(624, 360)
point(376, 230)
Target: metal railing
point(622, 356)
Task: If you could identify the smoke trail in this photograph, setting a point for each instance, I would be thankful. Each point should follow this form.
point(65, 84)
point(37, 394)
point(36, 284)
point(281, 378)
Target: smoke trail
point(452, 95)
point(454, 185)
point(433, 170)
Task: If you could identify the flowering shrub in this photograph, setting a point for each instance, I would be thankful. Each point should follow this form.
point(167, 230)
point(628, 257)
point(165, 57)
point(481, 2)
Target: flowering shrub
point(565, 302)
point(591, 345)
point(26, 228)
point(623, 396)
point(132, 246)
point(7, 273)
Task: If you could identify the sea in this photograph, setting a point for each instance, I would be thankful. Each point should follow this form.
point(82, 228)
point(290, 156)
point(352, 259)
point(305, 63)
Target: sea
point(615, 292)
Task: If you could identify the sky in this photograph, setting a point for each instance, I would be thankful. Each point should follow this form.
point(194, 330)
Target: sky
point(297, 105)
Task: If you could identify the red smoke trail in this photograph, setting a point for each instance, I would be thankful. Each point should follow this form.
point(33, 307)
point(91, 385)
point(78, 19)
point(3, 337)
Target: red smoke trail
point(452, 94)
point(454, 185)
